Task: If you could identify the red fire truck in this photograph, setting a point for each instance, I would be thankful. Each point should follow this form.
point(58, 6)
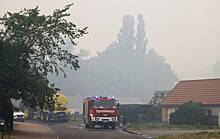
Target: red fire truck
point(101, 111)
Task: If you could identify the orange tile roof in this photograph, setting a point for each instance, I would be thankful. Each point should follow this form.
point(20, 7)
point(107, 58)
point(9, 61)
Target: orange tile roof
point(205, 91)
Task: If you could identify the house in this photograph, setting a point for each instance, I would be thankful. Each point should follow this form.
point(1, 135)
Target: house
point(205, 91)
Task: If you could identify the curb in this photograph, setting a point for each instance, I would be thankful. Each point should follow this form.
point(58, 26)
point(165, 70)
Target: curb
point(137, 133)
point(132, 132)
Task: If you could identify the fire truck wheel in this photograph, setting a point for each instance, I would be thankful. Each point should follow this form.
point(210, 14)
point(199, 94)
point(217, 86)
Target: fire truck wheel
point(92, 125)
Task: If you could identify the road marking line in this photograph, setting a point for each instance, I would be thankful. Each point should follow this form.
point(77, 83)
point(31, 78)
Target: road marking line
point(57, 136)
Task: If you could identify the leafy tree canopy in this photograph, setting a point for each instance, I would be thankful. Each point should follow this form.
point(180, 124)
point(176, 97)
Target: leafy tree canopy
point(61, 101)
point(158, 97)
point(31, 46)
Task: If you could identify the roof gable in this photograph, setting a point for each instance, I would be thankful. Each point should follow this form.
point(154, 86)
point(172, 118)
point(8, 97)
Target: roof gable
point(206, 91)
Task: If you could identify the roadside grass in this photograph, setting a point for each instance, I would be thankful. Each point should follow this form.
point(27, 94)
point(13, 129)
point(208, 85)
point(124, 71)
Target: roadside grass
point(145, 126)
point(201, 135)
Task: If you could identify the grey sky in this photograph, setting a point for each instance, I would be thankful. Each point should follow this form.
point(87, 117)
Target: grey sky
point(185, 32)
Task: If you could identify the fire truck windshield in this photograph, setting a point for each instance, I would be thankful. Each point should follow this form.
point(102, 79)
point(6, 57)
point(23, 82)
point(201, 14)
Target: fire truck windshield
point(104, 103)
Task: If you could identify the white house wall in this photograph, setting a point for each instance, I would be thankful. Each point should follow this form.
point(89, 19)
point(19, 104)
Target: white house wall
point(215, 111)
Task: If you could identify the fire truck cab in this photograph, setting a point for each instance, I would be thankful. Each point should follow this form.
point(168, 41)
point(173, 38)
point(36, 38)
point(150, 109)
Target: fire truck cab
point(101, 111)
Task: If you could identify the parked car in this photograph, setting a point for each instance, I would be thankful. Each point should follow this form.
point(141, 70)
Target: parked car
point(19, 116)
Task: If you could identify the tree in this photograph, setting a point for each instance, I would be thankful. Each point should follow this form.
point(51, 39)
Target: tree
point(158, 97)
point(126, 68)
point(123, 50)
point(189, 113)
point(141, 40)
point(31, 46)
point(61, 101)
point(154, 113)
point(42, 38)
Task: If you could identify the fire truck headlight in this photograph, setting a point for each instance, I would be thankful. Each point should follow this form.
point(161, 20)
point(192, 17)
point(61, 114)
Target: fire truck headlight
point(91, 115)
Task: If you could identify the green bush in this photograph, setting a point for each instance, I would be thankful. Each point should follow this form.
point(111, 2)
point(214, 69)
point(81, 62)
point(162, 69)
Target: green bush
point(189, 113)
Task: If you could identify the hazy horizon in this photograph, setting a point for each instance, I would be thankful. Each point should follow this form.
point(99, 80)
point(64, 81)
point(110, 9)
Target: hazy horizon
point(186, 33)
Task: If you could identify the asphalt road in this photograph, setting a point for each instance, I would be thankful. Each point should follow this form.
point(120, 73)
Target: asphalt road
point(68, 131)
point(31, 130)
